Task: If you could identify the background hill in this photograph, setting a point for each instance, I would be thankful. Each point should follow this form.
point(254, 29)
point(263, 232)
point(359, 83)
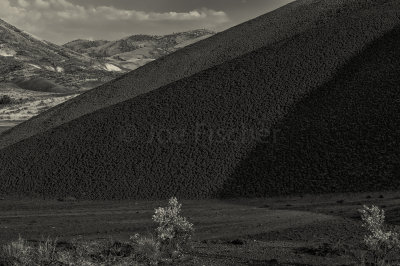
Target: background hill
point(268, 30)
point(160, 45)
point(23, 56)
point(38, 75)
point(191, 138)
point(29, 63)
point(137, 50)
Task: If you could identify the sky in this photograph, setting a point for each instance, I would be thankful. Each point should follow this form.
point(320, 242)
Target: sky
point(60, 21)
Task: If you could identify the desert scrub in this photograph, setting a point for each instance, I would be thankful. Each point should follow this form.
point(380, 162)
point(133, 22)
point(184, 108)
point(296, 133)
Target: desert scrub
point(17, 252)
point(173, 231)
point(166, 244)
point(381, 242)
point(172, 236)
point(46, 251)
point(20, 252)
point(78, 252)
point(147, 248)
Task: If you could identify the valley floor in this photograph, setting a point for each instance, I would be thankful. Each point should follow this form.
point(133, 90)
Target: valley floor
point(308, 230)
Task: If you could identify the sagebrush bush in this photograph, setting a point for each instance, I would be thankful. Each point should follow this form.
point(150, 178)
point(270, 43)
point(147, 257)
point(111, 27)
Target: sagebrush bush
point(172, 235)
point(380, 241)
point(147, 247)
point(174, 231)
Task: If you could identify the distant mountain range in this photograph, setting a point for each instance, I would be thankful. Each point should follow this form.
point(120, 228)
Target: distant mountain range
point(24, 57)
point(81, 64)
point(136, 50)
point(29, 64)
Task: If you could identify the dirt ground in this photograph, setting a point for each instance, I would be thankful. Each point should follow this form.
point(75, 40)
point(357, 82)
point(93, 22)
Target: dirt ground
point(306, 230)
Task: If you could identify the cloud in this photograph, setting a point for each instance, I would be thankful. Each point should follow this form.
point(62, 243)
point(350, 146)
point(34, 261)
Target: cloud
point(61, 20)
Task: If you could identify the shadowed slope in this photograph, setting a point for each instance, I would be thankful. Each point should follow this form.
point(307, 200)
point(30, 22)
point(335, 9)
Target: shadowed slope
point(269, 29)
point(187, 138)
point(343, 137)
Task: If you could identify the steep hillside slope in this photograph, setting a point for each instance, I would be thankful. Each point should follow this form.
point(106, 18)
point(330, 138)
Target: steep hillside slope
point(342, 137)
point(268, 30)
point(188, 138)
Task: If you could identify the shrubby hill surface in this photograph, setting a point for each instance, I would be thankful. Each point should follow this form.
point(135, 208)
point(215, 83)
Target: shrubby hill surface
point(156, 45)
point(268, 30)
point(195, 138)
point(135, 51)
point(342, 137)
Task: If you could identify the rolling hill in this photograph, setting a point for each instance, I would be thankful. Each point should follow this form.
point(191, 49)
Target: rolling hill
point(29, 63)
point(158, 45)
point(328, 88)
point(137, 50)
point(267, 30)
point(45, 72)
point(23, 57)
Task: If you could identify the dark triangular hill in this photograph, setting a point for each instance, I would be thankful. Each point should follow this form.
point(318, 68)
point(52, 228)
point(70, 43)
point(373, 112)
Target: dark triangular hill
point(205, 124)
point(276, 26)
point(342, 137)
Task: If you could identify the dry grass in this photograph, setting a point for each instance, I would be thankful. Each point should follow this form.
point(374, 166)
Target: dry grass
point(140, 250)
point(17, 252)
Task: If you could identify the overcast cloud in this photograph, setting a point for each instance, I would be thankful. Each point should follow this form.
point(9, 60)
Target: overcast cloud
point(61, 21)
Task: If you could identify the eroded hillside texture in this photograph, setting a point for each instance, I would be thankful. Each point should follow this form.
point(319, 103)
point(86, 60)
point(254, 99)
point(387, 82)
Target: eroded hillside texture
point(329, 91)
